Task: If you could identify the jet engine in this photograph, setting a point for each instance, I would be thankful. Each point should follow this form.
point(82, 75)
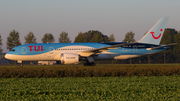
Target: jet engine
point(70, 58)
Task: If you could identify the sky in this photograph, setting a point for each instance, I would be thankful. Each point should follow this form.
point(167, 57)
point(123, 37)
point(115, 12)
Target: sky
point(73, 16)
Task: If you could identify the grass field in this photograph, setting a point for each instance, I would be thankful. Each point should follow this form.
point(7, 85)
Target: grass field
point(108, 70)
point(95, 83)
point(97, 65)
point(92, 88)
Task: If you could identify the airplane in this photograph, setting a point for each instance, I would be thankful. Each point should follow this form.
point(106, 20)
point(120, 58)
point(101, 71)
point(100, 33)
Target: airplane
point(74, 53)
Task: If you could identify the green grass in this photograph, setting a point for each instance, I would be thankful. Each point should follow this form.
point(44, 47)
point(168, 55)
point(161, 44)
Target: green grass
point(97, 65)
point(57, 71)
point(94, 88)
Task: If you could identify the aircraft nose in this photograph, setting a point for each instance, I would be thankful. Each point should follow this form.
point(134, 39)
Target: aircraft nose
point(10, 57)
point(7, 56)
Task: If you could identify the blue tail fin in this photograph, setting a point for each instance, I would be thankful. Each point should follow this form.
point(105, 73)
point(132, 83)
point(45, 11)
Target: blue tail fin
point(155, 34)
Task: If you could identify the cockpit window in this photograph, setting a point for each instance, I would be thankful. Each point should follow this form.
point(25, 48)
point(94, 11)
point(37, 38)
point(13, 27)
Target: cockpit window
point(13, 50)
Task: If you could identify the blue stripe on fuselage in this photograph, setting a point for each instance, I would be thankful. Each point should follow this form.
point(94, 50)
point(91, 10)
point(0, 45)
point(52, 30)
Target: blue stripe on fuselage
point(130, 51)
point(40, 48)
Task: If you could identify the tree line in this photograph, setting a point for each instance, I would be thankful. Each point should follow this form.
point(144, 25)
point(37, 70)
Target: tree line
point(90, 36)
point(169, 56)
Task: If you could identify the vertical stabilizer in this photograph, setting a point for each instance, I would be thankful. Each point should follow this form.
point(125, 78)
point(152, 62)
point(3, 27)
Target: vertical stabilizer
point(154, 35)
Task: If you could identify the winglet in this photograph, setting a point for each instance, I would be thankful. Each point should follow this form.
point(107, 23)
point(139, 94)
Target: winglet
point(154, 35)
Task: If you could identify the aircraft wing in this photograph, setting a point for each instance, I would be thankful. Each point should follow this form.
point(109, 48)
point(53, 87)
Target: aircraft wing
point(99, 50)
point(162, 46)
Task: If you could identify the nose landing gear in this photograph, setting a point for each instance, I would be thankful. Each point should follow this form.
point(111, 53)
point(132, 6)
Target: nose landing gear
point(21, 65)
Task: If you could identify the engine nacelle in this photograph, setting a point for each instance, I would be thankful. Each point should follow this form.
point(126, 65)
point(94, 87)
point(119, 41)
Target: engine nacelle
point(69, 58)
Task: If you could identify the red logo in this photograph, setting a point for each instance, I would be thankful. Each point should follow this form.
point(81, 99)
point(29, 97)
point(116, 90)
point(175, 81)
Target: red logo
point(158, 36)
point(35, 48)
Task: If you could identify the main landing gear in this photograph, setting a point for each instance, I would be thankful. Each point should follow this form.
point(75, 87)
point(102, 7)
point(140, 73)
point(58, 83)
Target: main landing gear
point(21, 64)
point(89, 64)
point(89, 61)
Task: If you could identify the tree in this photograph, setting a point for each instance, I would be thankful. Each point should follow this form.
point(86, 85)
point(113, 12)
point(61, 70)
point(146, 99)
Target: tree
point(171, 55)
point(64, 38)
point(80, 37)
point(48, 37)
point(97, 37)
point(177, 37)
point(13, 40)
point(129, 37)
point(176, 49)
point(168, 36)
point(111, 38)
point(0, 44)
point(91, 36)
point(30, 38)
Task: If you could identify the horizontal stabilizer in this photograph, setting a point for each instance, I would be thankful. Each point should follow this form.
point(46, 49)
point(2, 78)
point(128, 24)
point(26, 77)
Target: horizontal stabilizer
point(162, 46)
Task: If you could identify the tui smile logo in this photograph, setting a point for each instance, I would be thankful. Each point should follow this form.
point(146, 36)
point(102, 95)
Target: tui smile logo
point(158, 36)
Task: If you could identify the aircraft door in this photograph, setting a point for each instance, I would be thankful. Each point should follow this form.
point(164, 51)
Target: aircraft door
point(23, 50)
point(135, 48)
point(51, 50)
